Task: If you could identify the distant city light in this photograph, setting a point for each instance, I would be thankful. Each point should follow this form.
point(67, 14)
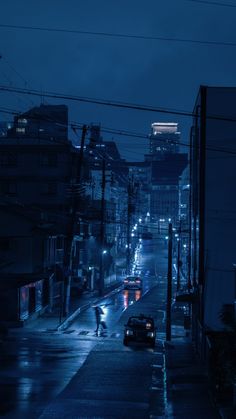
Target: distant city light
point(165, 127)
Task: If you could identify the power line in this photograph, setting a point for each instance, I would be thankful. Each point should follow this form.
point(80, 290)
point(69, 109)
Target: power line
point(9, 111)
point(76, 125)
point(117, 104)
point(212, 3)
point(120, 35)
point(95, 101)
point(26, 84)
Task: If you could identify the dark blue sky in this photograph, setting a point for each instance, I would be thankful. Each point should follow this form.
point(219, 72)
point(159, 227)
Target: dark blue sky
point(152, 72)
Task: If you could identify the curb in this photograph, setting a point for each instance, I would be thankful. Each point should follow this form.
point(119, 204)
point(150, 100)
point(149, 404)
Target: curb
point(66, 323)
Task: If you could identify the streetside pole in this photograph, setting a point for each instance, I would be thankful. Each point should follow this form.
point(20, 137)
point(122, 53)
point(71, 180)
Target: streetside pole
point(68, 257)
point(129, 212)
point(128, 228)
point(102, 231)
point(169, 285)
point(190, 210)
point(178, 258)
point(178, 265)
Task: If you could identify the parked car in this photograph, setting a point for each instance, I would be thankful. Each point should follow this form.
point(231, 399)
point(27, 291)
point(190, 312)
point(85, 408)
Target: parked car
point(140, 329)
point(133, 282)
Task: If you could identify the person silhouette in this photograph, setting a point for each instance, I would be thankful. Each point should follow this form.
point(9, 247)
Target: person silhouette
point(98, 313)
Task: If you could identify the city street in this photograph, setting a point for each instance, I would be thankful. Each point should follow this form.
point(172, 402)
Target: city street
point(117, 211)
point(38, 365)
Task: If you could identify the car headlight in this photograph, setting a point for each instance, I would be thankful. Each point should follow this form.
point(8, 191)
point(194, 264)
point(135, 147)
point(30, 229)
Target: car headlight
point(150, 334)
point(129, 332)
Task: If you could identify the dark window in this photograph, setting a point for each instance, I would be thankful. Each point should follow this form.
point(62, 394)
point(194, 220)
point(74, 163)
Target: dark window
point(8, 159)
point(60, 242)
point(4, 245)
point(49, 188)
point(8, 188)
point(48, 159)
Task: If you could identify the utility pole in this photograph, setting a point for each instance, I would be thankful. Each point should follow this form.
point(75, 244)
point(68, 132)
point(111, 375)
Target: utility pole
point(190, 210)
point(129, 211)
point(169, 285)
point(68, 257)
point(102, 231)
point(179, 263)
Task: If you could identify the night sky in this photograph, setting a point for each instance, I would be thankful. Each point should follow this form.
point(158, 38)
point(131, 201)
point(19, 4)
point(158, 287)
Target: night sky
point(153, 72)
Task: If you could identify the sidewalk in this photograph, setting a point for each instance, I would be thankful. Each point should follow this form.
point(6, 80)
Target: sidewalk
point(188, 387)
point(187, 383)
point(53, 320)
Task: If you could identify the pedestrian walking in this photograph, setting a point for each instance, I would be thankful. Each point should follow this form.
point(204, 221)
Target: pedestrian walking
point(98, 313)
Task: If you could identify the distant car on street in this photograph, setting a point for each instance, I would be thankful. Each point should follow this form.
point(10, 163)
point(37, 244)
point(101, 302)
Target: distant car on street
point(140, 329)
point(133, 282)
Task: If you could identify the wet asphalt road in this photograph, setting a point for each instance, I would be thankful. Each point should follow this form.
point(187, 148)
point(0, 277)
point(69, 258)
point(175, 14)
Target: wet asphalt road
point(36, 366)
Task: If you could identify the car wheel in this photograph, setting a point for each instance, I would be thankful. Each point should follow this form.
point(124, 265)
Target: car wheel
point(125, 342)
point(153, 344)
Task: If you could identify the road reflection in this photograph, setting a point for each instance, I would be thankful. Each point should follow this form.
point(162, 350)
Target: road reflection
point(130, 296)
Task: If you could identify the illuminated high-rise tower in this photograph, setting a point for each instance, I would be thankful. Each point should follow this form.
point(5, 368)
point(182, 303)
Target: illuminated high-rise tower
point(164, 138)
point(167, 164)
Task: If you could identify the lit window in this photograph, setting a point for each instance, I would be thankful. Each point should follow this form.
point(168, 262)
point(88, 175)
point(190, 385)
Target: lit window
point(22, 121)
point(21, 130)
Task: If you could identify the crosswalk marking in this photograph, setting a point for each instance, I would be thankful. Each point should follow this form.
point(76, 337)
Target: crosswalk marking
point(102, 334)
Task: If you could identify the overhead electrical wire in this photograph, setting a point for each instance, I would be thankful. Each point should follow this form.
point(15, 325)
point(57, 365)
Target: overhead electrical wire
point(212, 3)
point(76, 125)
point(105, 102)
point(112, 103)
point(119, 35)
point(26, 84)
